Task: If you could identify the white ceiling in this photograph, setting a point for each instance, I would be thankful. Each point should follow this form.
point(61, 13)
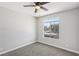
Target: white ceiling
point(53, 7)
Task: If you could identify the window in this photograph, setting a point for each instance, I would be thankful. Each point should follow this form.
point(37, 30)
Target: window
point(51, 28)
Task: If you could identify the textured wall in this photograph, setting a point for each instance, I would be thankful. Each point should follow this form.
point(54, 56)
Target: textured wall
point(68, 30)
point(15, 29)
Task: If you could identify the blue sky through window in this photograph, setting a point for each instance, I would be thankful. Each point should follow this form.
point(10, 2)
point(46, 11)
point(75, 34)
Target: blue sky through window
point(51, 21)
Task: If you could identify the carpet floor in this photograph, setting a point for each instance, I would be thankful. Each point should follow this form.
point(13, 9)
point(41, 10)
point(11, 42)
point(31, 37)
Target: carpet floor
point(39, 49)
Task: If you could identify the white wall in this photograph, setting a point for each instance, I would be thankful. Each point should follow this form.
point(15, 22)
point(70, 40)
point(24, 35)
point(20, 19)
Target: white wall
point(78, 30)
point(68, 30)
point(15, 29)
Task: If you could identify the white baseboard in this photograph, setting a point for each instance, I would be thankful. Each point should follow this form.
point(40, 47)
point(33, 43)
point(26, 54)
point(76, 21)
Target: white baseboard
point(3, 52)
point(70, 50)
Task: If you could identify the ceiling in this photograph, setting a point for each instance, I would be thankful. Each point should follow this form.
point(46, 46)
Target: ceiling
point(53, 7)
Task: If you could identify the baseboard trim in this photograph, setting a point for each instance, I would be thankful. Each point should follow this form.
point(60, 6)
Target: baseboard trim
point(70, 50)
point(3, 52)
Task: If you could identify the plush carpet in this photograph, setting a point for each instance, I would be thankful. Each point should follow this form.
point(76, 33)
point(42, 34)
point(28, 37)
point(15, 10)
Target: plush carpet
point(39, 49)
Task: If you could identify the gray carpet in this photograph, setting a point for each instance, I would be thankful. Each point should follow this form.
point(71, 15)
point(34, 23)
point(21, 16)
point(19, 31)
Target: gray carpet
point(38, 49)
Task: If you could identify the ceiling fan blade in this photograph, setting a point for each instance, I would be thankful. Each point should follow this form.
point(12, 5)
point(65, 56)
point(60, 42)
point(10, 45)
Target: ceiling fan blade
point(36, 10)
point(43, 8)
point(42, 3)
point(29, 5)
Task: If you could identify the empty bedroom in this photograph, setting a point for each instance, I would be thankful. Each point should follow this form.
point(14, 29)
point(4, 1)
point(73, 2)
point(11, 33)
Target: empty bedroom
point(39, 28)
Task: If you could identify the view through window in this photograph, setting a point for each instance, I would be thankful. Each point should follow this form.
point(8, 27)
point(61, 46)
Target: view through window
point(51, 28)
